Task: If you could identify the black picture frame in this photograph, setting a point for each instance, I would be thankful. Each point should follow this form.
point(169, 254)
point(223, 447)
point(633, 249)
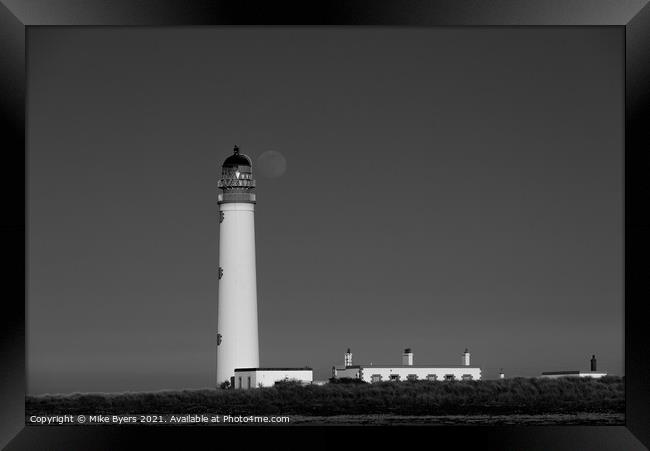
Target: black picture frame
point(17, 16)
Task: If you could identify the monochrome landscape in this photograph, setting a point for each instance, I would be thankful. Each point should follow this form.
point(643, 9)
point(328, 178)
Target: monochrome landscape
point(217, 215)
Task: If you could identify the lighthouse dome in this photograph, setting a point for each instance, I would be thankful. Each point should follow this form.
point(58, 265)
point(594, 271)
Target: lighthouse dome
point(237, 159)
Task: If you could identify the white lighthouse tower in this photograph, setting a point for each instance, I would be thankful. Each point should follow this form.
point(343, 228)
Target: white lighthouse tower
point(237, 338)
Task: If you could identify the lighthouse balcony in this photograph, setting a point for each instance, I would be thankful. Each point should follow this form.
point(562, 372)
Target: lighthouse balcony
point(234, 183)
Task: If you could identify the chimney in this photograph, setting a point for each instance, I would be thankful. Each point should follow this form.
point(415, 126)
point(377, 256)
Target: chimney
point(407, 357)
point(466, 357)
point(348, 358)
point(593, 363)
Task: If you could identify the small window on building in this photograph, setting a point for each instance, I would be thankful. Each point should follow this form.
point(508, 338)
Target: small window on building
point(432, 377)
point(249, 382)
point(375, 378)
point(240, 382)
point(467, 377)
point(394, 377)
point(450, 377)
point(412, 377)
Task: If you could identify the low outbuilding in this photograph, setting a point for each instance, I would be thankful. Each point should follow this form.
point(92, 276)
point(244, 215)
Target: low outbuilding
point(246, 378)
point(407, 371)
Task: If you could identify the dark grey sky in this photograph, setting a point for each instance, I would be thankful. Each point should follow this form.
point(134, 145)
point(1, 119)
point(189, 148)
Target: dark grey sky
point(445, 188)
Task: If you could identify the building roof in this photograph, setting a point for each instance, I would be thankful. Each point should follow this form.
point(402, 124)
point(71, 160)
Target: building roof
point(561, 372)
point(409, 366)
point(304, 368)
point(550, 373)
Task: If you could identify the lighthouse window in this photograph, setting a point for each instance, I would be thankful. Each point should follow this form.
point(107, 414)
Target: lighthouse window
point(375, 378)
point(467, 377)
point(432, 377)
point(249, 382)
point(449, 377)
point(240, 382)
point(412, 377)
point(394, 377)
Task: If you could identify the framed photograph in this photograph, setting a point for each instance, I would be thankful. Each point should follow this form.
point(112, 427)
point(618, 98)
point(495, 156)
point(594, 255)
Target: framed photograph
point(291, 217)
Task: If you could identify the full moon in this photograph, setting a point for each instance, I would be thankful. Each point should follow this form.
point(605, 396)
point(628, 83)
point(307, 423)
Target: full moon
point(271, 164)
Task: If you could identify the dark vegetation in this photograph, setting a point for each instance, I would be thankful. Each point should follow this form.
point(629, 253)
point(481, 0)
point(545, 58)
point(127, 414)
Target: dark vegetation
point(499, 397)
point(344, 380)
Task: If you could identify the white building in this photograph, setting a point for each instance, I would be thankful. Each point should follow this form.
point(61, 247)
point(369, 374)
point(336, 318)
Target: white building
point(594, 373)
point(408, 371)
point(246, 378)
point(558, 374)
point(237, 337)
